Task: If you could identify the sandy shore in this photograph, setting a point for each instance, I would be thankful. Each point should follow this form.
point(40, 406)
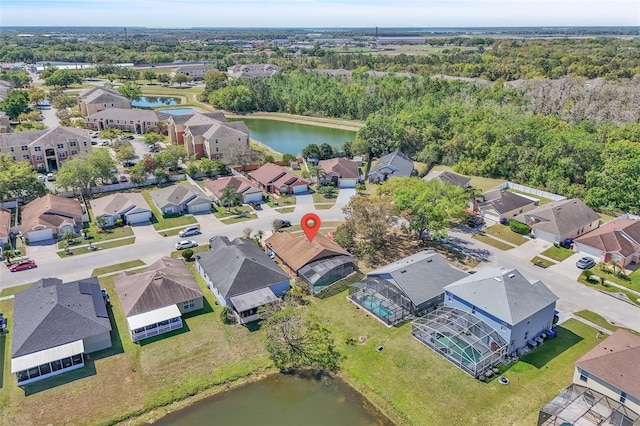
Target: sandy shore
point(332, 123)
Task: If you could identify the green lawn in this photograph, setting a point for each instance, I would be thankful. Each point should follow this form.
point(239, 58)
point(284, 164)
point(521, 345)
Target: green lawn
point(545, 262)
point(323, 206)
point(284, 200)
point(634, 298)
point(324, 227)
point(240, 219)
point(601, 321)
point(117, 267)
point(542, 201)
point(492, 242)
point(481, 183)
point(632, 283)
point(13, 290)
point(199, 249)
point(108, 234)
point(100, 246)
point(320, 198)
point(160, 222)
point(558, 253)
point(505, 233)
point(286, 210)
point(224, 212)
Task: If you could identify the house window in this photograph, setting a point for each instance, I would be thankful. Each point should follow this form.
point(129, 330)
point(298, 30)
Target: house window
point(623, 397)
point(11, 149)
point(189, 304)
point(473, 310)
point(131, 122)
point(513, 342)
point(24, 148)
point(62, 154)
point(60, 145)
point(39, 158)
point(74, 152)
point(529, 320)
point(118, 121)
point(72, 143)
point(526, 335)
point(40, 166)
point(37, 148)
point(503, 327)
point(111, 121)
point(84, 143)
point(26, 156)
point(584, 376)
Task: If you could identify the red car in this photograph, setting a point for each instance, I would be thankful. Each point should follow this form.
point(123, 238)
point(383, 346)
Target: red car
point(22, 265)
point(123, 179)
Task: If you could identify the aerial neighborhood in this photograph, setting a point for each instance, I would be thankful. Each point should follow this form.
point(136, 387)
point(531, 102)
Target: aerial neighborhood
point(155, 239)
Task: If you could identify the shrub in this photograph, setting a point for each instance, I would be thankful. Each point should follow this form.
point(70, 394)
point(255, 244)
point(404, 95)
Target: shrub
point(519, 227)
point(226, 316)
point(187, 254)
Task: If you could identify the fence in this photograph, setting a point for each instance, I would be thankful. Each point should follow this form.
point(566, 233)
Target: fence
point(533, 191)
point(122, 186)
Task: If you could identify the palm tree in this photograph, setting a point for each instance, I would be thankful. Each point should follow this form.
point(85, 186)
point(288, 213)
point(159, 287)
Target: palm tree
point(101, 221)
point(258, 235)
point(69, 236)
point(317, 172)
point(230, 197)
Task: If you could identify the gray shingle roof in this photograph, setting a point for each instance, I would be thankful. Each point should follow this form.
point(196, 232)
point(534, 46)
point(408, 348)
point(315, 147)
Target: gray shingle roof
point(559, 218)
point(178, 194)
point(421, 276)
point(393, 164)
point(51, 136)
point(49, 314)
point(119, 203)
point(504, 293)
point(504, 201)
point(102, 95)
point(163, 283)
point(449, 177)
point(239, 267)
point(126, 115)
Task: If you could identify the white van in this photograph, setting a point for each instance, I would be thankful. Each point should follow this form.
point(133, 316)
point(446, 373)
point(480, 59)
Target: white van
point(192, 230)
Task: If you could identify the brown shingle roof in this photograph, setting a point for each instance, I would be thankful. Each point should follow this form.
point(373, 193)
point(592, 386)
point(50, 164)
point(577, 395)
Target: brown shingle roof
point(296, 250)
point(616, 360)
point(50, 211)
point(619, 236)
point(164, 283)
point(341, 167)
point(268, 173)
point(241, 184)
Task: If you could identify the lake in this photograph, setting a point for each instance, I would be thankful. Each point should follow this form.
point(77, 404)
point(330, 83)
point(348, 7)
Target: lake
point(285, 137)
point(154, 101)
point(178, 111)
point(281, 400)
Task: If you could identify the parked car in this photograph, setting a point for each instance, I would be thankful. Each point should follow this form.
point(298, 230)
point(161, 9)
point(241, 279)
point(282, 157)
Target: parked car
point(125, 137)
point(585, 263)
point(185, 244)
point(187, 232)
point(41, 178)
point(51, 177)
point(123, 179)
point(94, 143)
point(23, 265)
point(281, 223)
point(95, 134)
point(475, 221)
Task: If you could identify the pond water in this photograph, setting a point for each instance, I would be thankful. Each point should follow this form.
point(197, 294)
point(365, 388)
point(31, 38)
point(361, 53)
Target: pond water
point(281, 400)
point(154, 101)
point(285, 137)
point(178, 111)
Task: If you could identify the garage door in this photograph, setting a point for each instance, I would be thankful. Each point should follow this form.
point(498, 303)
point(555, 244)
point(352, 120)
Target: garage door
point(202, 207)
point(42, 235)
point(347, 183)
point(299, 189)
point(138, 217)
point(491, 215)
point(255, 197)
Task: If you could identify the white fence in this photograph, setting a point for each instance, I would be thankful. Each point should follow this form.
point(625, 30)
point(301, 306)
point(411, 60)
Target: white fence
point(533, 191)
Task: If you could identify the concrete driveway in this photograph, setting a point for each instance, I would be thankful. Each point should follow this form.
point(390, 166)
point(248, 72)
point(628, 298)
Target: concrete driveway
point(145, 231)
point(344, 196)
point(304, 202)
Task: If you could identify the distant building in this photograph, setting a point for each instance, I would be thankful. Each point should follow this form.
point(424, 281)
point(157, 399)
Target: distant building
point(394, 164)
point(129, 120)
point(499, 203)
point(46, 149)
point(335, 72)
point(252, 70)
point(4, 122)
point(278, 180)
point(445, 176)
point(196, 71)
point(100, 98)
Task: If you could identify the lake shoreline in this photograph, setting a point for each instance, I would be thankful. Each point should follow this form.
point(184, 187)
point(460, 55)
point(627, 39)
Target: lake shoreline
point(331, 123)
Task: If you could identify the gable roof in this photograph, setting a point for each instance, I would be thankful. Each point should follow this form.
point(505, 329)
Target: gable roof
point(504, 293)
point(51, 136)
point(618, 236)
point(119, 203)
point(267, 173)
point(5, 223)
point(50, 211)
point(239, 267)
point(296, 250)
point(241, 184)
point(615, 360)
point(127, 115)
point(395, 163)
point(49, 314)
point(98, 95)
point(341, 167)
point(421, 276)
point(252, 70)
point(163, 283)
point(176, 195)
point(448, 177)
point(194, 67)
point(559, 217)
point(504, 201)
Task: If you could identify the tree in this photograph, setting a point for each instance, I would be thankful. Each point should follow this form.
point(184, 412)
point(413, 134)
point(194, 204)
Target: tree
point(429, 207)
point(311, 151)
point(229, 197)
point(125, 154)
point(152, 138)
point(181, 78)
point(246, 232)
point(36, 95)
point(317, 173)
point(374, 138)
point(192, 170)
point(110, 134)
point(326, 151)
point(160, 175)
point(15, 103)
point(130, 90)
point(101, 162)
point(63, 78)
point(101, 222)
point(187, 254)
point(60, 100)
point(295, 344)
point(258, 235)
point(164, 78)
point(241, 155)
point(371, 218)
point(33, 115)
point(207, 166)
point(215, 80)
point(288, 158)
point(149, 75)
point(76, 174)
point(18, 180)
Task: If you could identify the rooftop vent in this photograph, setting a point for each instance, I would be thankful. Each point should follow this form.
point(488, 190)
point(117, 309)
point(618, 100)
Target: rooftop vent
point(497, 279)
point(512, 275)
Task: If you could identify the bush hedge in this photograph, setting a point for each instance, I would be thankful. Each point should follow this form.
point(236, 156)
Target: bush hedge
point(519, 227)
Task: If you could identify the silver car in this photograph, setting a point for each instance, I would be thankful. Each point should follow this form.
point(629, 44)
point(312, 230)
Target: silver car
point(185, 244)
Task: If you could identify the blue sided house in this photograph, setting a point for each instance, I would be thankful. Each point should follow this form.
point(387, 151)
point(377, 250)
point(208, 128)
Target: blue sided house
point(518, 310)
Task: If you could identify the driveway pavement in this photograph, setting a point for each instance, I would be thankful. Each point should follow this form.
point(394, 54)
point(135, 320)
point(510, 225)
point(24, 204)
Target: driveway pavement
point(304, 202)
point(145, 232)
point(344, 196)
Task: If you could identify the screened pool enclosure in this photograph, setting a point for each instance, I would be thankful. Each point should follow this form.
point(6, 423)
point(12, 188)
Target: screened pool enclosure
point(462, 338)
point(382, 299)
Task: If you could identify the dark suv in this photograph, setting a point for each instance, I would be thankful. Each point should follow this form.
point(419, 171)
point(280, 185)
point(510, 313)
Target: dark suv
point(475, 221)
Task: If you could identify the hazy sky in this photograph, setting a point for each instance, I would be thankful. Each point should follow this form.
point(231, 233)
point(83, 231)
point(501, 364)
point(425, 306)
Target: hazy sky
point(319, 13)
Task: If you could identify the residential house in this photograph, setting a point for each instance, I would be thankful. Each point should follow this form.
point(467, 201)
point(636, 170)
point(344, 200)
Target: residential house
point(46, 149)
point(252, 70)
point(195, 71)
point(130, 207)
point(207, 135)
point(100, 98)
point(372, 73)
point(129, 120)
point(241, 276)
point(49, 216)
point(243, 186)
point(55, 325)
point(340, 72)
point(5, 226)
point(617, 241)
point(560, 220)
point(5, 88)
point(504, 299)
point(445, 176)
point(339, 171)
point(409, 287)
point(605, 389)
point(177, 199)
point(4, 122)
point(394, 164)
point(278, 180)
point(154, 300)
point(499, 204)
point(318, 263)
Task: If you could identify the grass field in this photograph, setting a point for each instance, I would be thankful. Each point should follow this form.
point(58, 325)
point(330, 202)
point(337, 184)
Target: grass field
point(634, 298)
point(320, 198)
point(117, 267)
point(545, 262)
point(100, 246)
point(602, 322)
point(505, 233)
point(236, 210)
point(632, 283)
point(199, 249)
point(107, 234)
point(159, 222)
point(492, 242)
point(558, 253)
point(249, 216)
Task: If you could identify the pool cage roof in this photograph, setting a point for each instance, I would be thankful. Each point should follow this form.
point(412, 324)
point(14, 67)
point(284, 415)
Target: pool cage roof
point(383, 299)
point(462, 338)
point(315, 271)
point(583, 406)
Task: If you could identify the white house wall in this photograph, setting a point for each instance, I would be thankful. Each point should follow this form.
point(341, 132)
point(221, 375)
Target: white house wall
point(41, 235)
